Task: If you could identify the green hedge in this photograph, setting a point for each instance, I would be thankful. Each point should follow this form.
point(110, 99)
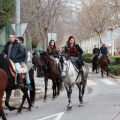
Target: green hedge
point(87, 55)
point(88, 59)
point(114, 69)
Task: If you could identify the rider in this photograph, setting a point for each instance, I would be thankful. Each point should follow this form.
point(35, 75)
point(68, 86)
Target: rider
point(96, 50)
point(53, 51)
point(104, 51)
point(14, 51)
point(75, 53)
point(28, 84)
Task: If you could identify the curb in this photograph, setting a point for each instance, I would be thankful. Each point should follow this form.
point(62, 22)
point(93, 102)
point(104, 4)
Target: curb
point(111, 75)
point(17, 100)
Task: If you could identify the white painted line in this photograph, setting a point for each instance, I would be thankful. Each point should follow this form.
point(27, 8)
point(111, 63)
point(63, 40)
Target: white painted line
point(58, 116)
point(90, 82)
point(107, 82)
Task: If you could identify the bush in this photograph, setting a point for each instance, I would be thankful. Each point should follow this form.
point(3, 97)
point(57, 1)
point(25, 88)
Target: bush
point(88, 59)
point(87, 55)
point(114, 69)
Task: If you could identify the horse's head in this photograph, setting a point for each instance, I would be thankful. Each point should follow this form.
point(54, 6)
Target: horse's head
point(44, 59)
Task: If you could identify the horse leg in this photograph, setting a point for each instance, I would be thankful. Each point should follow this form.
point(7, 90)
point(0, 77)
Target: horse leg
point(3, 115)
point(25, 95)
point(102, 72)
point(46, 83)
point(8, 94)
point(107, 71)
point(54, 89)
point(69, 92)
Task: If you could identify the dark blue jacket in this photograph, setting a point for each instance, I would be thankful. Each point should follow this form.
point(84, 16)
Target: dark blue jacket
point(104, 50)
point(17, 52)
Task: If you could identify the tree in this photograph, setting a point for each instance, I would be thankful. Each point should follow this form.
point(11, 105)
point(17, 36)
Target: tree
point(7, 8)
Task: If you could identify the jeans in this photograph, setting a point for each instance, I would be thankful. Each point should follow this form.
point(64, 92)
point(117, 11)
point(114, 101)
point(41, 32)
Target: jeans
point(26, 74)
point(18, 66)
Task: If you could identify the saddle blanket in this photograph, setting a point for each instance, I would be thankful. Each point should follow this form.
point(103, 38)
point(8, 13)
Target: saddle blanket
point(22, 69)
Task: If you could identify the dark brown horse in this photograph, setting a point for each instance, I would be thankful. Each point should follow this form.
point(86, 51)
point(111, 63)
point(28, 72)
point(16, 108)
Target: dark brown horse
point(103, 62)
point(3, 83)
point(4, 64)
point(50, 72)
point(95, 64)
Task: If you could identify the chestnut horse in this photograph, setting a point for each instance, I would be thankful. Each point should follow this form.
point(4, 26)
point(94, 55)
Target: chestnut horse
point(3, 83)
point(50, 72)
point(5, 64)
point(103, 62)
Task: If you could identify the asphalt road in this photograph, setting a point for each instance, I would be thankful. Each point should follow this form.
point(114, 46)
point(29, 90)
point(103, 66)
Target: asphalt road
point(101, 102)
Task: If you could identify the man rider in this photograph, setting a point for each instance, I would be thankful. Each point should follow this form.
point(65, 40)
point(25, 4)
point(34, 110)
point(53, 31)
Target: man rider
point(27, 78)
point(14, 51)
point(96, 50)
point(104, 51)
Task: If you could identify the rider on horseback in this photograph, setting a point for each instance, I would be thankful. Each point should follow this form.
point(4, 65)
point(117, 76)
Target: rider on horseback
point(27, 78)
point(75, 52)
point(53, 51)
point(14, 51)
point(104, 51)
point(96, 50)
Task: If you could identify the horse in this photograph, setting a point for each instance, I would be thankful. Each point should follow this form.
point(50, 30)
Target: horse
point(103, 62)
point(95, 65)
point(3, 83)
point(71, 77)
point(5, 65)
point(50, 72)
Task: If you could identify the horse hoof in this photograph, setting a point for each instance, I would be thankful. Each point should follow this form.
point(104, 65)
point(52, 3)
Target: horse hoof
point(44, 100)
point(18, 112)
point(81, 105)
point(69, 107)
point(29, 109)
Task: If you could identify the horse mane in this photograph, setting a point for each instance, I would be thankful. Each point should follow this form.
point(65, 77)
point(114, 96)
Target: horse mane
point(4, 64)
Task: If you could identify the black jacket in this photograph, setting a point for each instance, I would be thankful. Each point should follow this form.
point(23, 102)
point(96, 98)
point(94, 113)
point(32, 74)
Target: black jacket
point(79, 50)
point(96, 50)
point(17, 52)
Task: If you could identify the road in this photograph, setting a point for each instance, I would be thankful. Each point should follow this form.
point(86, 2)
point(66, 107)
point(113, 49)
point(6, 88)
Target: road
point(101, 102)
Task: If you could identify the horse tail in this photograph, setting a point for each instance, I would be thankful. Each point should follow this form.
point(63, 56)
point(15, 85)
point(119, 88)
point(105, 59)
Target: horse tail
point(32, 92)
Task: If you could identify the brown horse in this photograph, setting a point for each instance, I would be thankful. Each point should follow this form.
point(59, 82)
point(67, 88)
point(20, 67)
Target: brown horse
point(104, 61)
point(3, 83)
point(5, 64)
point(50, 72)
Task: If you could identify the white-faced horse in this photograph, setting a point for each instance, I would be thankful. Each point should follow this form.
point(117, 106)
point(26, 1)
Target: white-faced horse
point(70, 77)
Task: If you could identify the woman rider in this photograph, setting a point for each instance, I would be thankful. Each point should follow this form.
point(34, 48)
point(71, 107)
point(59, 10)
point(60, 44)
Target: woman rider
point(53, 51)
point(75, 53)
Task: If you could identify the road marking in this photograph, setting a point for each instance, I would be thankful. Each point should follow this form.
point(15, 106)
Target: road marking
point(90, 82)
point(107, 82)
point(58, 116)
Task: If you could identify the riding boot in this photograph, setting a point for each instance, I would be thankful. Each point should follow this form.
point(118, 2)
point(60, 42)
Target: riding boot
point(20, 83)
point(82, 73)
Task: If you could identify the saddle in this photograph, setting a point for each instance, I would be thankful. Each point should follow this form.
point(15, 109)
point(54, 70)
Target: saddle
point(13, 69)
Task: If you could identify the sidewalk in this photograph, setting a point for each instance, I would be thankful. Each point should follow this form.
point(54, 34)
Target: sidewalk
point(39, 82)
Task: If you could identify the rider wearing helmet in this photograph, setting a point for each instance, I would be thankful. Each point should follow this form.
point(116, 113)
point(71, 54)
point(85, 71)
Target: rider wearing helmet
point(14, 51)
point(27, 78)
point(75, 53)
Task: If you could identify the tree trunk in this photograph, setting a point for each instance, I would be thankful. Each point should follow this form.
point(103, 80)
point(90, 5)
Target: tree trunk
point(112, 40)
point(100, 39)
